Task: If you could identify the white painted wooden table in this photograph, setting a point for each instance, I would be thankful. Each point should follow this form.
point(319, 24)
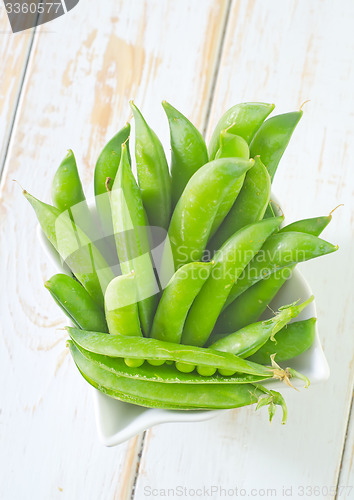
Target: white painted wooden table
point(67, 84)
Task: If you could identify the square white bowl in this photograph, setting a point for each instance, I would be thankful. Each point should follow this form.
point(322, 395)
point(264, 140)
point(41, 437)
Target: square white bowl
point(118, 421)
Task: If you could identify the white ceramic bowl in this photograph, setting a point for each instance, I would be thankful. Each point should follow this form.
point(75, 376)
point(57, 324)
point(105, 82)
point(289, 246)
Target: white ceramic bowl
point(118, 421)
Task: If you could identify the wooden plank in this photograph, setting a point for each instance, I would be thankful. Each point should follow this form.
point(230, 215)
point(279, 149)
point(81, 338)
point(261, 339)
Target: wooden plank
point(84, 68)
point(14, 53)
point(285, 52)
point(346, 474)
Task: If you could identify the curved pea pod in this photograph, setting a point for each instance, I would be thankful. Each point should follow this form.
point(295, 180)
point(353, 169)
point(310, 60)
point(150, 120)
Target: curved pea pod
point(249, 207)
point(120, 303)
point(106, 168)
point(153, 175)
point(129, 224)
point(231, 146)
point(76, 303)
point(272, 138)
point(230, 261)
point(74, 247)
point(291, 341)
point(280, 250)
point(188, 150)
point(177, 299)
point(249, 306)
point(167, 374)
point(66, 186)
point(243, 119)
point(176, 396)
point(121, 346)
point(195, 211)
point(249, 339)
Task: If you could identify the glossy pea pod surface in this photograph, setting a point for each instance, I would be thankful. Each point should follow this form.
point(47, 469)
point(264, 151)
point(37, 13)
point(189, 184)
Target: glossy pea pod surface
point(195, 211)
point(76, 303)
point(188, 150)
point(66, 186)
point(242, 119)
point(153, 174)
point(249, 306)
point(230, 261)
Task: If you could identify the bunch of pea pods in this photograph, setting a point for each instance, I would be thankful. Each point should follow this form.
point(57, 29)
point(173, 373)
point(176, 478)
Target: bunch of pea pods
point(192, 339)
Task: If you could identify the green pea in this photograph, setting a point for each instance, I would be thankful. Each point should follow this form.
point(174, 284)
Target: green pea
point(206, 371)
point(188, 150)
point(185, 367)
point(195, 212)
point(153, 174)
point(121, 306)
point(155, 362)
point(133, 362)
point(243, 119)
point(177, 299)
point(76, 303)
point(230, 261)
point(226, 373)
point(249, 206)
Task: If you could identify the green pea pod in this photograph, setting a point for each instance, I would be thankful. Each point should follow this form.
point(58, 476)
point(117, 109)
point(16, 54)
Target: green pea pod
point(249, 339)
point(106, 167)
point(66, 187)
point(167, 374)
point(280, 250)
point(74, 247)
point(188, 150)
point(129, 224)
point(121, 346)
point(195, 212)
point(231, 146)
point(272, 138)
point(177, 299)
point(291, 341)
point(249, 306)
point(76, 303)
point(121, 307)
point(249, 206)
point(230, 261)
point(243, 119)
point(153, 175)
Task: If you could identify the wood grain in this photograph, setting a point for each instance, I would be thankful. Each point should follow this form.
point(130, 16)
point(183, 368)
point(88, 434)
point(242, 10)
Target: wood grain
point(14, 53)
point(286, 52)
point(83, 69)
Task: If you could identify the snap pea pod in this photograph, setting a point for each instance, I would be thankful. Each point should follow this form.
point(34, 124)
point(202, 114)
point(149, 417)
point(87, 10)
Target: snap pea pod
point(66, 186)
point(272, 137)
point(73, 246)
point(76, 303)
point(106, 168)
point(177, 299)
point(195, 211)
point(291, 341)
point(153, 175)
point(178, 396)
point(167, 374)
point(249, 206)
point(249, 306)
point(243, 119)
point(231, 146)
point(230, 261)
point(280, 250)
point(121, 308)
point(188, 150)
point(122, 346)
point(249, 339)
point(129, 224)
